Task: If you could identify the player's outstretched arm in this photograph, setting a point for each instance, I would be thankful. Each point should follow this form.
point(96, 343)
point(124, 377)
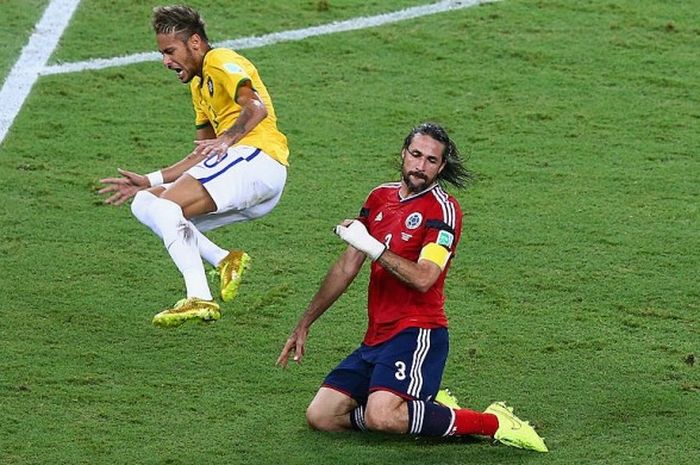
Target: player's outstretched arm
point(337, 280)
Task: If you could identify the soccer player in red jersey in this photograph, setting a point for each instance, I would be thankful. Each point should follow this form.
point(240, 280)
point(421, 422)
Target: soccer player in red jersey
point(410, 231)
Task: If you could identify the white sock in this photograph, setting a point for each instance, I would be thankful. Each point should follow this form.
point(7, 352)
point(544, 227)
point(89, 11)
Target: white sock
point(180, 238)
point(209, 251)
point(140, 207)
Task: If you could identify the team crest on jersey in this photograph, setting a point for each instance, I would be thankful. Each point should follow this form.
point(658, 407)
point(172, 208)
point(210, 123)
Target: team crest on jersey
point(445, 238)
point(210, 86)
point(414, 220)
point(379, 217)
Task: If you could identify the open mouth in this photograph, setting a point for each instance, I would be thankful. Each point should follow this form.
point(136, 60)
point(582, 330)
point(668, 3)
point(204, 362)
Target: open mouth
point(179, 71)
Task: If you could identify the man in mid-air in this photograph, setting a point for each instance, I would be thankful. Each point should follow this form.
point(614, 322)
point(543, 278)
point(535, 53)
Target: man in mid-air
point(410, 231)
point(236, 172)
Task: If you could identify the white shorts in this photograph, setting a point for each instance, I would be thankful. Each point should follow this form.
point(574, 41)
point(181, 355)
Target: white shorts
point(245, 184)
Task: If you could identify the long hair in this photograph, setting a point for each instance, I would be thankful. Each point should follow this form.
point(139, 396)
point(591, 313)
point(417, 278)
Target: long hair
point(180, 20)
point(454, 171)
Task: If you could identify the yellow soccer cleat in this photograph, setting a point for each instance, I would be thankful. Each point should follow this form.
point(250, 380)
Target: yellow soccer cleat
point(191, 308)
point(445, 397)
point(512, 431)
point(230, 271)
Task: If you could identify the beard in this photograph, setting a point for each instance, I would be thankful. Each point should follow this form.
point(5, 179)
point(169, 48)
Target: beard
point(416, 182)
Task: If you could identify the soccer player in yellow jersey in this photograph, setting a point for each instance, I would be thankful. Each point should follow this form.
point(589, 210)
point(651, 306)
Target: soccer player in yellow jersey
point(236, 172)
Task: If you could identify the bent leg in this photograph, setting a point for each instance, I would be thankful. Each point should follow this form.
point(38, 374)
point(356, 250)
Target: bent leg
point(330, 411)
point(389, 413)
point(179, 235)
point(140, 207)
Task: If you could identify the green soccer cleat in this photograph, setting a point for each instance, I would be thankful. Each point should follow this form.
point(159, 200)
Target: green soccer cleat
point(445, 397)
point(191, 308)
point(230, 271)
point(512, 431)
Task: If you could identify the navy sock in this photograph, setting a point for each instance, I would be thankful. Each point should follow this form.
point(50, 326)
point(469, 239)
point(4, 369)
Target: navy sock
point(357, 419)
point(430, 419)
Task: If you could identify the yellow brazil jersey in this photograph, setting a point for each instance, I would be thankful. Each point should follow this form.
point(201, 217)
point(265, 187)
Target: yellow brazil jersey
point(214, 100)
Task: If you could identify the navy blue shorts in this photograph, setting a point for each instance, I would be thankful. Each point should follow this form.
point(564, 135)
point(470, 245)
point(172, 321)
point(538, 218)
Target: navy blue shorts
point(410, 365)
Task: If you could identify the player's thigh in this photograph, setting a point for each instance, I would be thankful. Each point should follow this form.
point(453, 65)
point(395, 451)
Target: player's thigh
point(329, 409)
point(352, 375)
point(216, 220)
point(190, 195)
point(411, 364)
point(243, 179)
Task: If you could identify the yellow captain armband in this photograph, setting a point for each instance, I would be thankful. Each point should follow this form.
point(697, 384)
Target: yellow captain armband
point(436, 254)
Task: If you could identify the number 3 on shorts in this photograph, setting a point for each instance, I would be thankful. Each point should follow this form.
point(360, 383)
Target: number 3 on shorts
point(400, 371)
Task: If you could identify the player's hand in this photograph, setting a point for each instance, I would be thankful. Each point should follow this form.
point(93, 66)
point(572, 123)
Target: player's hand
point(295, 344)
point(209, 147)
point(355, 233)
point(122, 189)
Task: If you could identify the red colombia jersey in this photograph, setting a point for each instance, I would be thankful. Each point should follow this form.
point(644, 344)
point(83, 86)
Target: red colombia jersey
point(405, 226)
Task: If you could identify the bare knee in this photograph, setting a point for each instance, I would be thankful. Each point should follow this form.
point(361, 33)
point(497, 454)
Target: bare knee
point(376, 420)
point(329, 411)
point(386, 413)
point(319, 420)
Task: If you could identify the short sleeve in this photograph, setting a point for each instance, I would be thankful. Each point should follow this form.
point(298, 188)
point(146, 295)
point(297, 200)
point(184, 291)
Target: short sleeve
point(366, 209)
point(443, 225)
point(230, 76)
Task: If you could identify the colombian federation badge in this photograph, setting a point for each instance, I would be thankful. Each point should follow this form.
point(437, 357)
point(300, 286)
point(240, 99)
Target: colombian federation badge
point(414, 220)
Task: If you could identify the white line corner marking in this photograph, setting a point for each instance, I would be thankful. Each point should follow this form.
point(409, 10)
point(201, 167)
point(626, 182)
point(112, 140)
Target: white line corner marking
point(32, 60)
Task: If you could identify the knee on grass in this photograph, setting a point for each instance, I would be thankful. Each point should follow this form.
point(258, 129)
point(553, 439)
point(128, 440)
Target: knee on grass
point(320, 420)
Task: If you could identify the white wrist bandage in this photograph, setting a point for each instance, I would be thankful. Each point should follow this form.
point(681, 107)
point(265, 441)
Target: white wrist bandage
point(155, 178)
point(357, 236)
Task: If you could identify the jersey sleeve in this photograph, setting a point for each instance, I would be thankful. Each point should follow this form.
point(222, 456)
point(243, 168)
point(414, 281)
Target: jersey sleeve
point(443, 225)
point(366, 209)
point(230, 76)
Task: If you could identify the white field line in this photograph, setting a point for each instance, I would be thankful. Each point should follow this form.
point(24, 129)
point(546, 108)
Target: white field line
point(27, 70)
point(353, 24)
point(32, 60)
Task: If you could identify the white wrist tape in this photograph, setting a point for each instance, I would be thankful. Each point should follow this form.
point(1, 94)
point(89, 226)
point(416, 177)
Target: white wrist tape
point(155, 178)
point(357, 236)
point(374, 249)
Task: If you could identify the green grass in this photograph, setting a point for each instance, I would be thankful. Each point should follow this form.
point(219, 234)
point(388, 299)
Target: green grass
point(18, 19)
point(574, 294)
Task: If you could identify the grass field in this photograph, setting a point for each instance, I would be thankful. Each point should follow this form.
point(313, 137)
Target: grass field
point(574, 295)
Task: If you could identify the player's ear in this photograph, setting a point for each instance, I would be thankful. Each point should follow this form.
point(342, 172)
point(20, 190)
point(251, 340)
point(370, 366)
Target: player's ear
point(195, 41)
